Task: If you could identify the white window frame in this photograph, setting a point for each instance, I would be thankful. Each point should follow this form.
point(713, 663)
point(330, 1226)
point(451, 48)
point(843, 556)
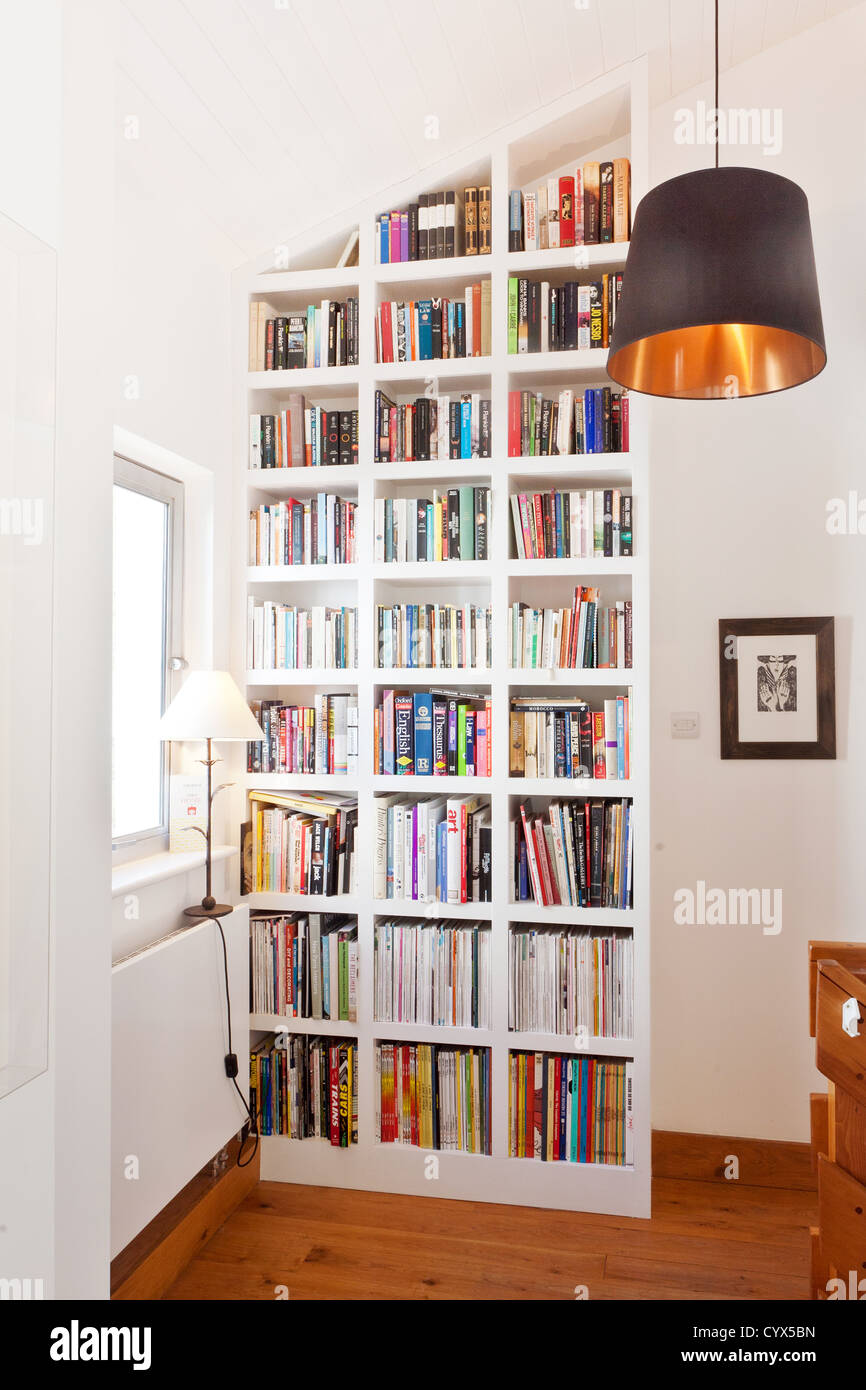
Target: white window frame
point(138, 477)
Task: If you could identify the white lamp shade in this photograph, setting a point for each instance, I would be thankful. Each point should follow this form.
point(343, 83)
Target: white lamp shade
point(209, 706)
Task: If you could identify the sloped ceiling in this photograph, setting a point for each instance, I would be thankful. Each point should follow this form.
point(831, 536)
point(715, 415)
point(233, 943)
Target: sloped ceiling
point(269, 115)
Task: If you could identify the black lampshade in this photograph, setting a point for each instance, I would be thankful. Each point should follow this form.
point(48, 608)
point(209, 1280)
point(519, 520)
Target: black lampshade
point(720, 295)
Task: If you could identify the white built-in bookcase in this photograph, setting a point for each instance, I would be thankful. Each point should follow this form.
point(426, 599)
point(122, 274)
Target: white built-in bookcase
point(606, 118)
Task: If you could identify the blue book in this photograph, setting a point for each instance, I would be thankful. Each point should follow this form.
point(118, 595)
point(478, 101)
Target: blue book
point(573, 1082)
point(557, 524)
point(620, 737)
point(522, 877)
point(425, 330)
point(384, 238)
point(423, 715)
point(465, 429)
point(451, 323)
point(514, 220)
point(589, 421)
point(311, 336)
point(441, 862)
point(584, 1107)
point(598, 420)
point(460, 325)
point(470, 743)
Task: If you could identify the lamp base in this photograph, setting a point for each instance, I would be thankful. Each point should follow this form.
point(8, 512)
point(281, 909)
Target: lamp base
point(218, 910)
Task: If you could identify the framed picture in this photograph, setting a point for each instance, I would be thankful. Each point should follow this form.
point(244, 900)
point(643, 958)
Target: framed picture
point(777, 687)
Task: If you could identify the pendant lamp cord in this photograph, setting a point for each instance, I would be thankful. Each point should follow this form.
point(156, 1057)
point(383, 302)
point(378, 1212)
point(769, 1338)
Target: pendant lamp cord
point(716, 103)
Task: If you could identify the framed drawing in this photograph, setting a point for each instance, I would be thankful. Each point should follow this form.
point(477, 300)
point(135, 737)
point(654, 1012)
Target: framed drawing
point(777, 688)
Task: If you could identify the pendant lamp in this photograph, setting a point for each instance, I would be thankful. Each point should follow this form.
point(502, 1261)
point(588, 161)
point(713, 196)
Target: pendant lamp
point(720, 295)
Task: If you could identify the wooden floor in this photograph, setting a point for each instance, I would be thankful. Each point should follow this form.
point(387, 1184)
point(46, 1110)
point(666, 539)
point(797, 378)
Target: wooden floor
point(706, 1240)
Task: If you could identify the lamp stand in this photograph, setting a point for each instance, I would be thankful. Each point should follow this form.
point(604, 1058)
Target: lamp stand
point(209, 907)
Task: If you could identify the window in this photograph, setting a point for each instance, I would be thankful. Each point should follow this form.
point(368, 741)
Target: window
point(148, 552)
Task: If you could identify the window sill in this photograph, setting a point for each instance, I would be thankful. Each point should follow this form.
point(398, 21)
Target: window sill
point(140, 873)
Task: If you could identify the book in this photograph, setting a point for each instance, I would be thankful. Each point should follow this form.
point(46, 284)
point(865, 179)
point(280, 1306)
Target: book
point(575, 316)
point(286, 637)
point(319, 530)
point(305, 1087)
point(321, 335)
point(304, 965)
point(431, 428)
point(444, 526)
point(311, 739)
point(302, 842)
point(575, 853)
point(433, 636)
point(405, 721)
point(428, 848)
point(436, 972)
point(433, 1097)
point(591, 205)
point(584, 635)
point(555, 525)
point(187, 816)
point(591, 421)
point(426, 330)
point(567, 980)
point(570, 1109)
point(563, 737)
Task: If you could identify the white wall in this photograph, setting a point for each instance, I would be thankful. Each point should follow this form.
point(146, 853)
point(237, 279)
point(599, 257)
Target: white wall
point(56, 180)
point(739, 496)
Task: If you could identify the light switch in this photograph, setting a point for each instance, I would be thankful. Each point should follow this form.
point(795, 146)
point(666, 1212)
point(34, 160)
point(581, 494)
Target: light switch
point(685, 724)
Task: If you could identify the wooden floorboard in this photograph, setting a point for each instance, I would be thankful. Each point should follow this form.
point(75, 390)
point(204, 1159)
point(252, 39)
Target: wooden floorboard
point(704, 1241)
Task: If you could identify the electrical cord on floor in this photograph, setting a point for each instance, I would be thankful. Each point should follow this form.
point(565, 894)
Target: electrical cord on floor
point(231, 1064)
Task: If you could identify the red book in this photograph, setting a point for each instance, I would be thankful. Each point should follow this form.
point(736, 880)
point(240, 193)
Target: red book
point(529, 1106)
point(557, 1104)
point(334, 1093)
point(386, 333)
point(513, 424)
point(566, 211)
point(531, 858)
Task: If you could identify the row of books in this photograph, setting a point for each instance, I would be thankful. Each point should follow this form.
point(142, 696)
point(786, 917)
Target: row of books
point(305, 1087)
point(570, 1109)
point(432, 972)
point(445, 223)
point(321, 335)
point(563, 980)
point(304, 436)
point(432, 849)
point(563, 737)
point(583, 525)
point(573, 853)
point(433, 1097)
point(433, 734)
point(450, 525)
point(301, 842)
point(594, 422)
point(304, 965)
point(434, 636)
point(583, 637)
point(426, 330)
point(283, 637)
point(318, 531)
point(561, 318)
point(586, 208)
point(315, 739)
point(431, 428)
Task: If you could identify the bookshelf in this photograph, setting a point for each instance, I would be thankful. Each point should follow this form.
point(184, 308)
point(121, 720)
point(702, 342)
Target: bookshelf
point(607, 118)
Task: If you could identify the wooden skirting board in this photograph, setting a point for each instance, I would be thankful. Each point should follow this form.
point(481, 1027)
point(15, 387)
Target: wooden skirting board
point(707, 1158)
point(153, 1260)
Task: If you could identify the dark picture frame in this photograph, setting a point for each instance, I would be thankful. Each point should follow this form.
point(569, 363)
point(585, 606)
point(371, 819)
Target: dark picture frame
point(823, 630)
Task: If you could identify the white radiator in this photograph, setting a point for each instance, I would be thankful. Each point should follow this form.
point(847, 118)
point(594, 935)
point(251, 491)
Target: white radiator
point(172, 1106)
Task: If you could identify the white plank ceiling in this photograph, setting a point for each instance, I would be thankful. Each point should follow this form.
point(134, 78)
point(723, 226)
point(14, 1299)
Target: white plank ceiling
point(269, 115)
